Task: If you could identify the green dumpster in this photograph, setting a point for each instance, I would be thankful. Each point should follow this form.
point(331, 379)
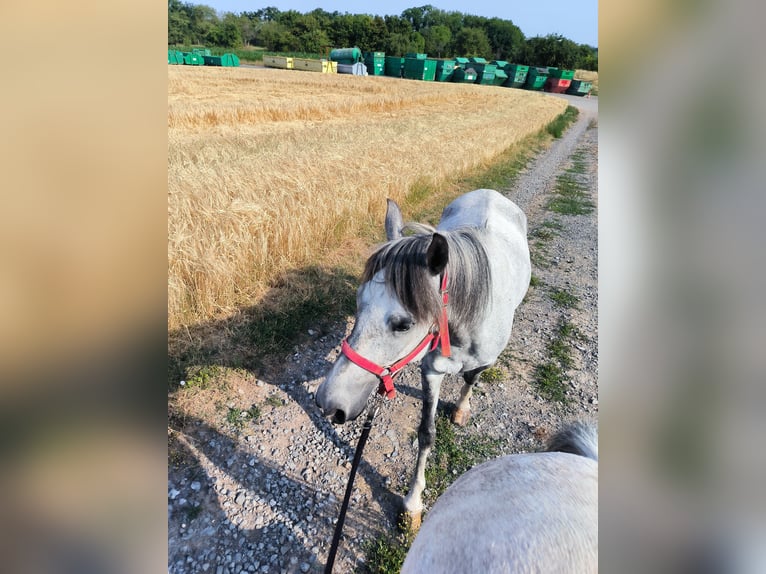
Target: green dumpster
point(444, 70)
point(579, 88)
point(485, 73)
point(394, 66)
point(517, 75)
point(416, 56)
point(230, 60)
point(375, 62)
point(536, 78)
point(175, 57)
point(420, 69)
point(212, 60)
point(463, 76)
point(500, 77)
point(561, 74)
point(462, 62)
point(192, 59)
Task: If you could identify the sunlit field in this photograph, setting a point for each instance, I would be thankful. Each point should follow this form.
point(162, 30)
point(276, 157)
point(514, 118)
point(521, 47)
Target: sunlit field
point(270, 169)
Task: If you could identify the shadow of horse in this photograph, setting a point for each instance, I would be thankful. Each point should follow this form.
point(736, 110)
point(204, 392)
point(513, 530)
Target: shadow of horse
point(301, 315)
point(243, 510)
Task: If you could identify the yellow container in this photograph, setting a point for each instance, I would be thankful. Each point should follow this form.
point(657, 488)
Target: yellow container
point(278, 62)
point(323, 66)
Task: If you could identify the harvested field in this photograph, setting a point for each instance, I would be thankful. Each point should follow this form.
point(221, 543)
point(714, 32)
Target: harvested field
point(270, 169)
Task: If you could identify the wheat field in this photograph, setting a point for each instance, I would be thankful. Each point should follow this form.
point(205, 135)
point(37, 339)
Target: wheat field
point(270, 169)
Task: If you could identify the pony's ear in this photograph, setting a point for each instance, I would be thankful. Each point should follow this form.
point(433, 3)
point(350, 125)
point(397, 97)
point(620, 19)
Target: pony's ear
point(394, 221)
point(437, 254)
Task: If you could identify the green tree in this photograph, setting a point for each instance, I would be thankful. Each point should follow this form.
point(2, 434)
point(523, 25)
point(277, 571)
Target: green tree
point(472, 42)
point(420, 18)
point(505, 39)
point(227, 33)
point(248, 27)
point(552, 50)
point(401, 44)
point(203, 23)
point(179, 24)
point(437, 39)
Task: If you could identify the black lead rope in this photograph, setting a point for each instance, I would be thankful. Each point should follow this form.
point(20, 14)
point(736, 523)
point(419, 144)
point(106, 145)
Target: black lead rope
point(349, 487)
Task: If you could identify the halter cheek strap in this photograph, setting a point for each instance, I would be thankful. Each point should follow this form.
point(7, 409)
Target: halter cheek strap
point(438, 334)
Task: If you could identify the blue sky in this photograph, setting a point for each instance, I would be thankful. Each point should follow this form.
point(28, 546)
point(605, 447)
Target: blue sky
point(573, 19)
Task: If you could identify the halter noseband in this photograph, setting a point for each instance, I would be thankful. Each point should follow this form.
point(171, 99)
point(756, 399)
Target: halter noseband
point(438, 334)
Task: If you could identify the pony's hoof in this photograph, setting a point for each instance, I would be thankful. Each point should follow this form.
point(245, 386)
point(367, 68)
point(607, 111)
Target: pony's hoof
point(409, 522)
point(460, 417)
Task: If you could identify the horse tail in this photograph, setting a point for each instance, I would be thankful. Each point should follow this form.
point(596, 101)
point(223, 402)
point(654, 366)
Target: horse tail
point(580, 438)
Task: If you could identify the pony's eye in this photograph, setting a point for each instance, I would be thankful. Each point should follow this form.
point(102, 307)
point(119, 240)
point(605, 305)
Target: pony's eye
point(401, 324)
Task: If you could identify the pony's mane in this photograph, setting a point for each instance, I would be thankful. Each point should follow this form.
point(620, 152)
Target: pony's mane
point(408, 277)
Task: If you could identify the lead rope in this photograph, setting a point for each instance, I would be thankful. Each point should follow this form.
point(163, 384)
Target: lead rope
point(349, 487)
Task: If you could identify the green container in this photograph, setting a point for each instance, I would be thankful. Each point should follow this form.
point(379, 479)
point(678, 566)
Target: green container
point(561, 74)
point(501, 64)
point(477, 60)
point(346, 55)
point(500, 78)
point(579, 88)
point(192, 59)
point(212, 60)
point(416, 56)
point(462, 61)
point(485, 77)
point(444, 70)
point(375, 64)
point(420, 69)
point(517, 75)
point(463, 76)
point(394, 66)
point(536, 78)
point(230, 60)
point(175, 57)
point(482, 70)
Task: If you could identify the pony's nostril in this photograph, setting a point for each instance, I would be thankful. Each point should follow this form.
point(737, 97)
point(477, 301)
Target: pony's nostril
point(339, 417)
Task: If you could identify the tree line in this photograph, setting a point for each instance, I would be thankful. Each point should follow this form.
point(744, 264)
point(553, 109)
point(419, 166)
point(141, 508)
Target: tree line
point(424, 29)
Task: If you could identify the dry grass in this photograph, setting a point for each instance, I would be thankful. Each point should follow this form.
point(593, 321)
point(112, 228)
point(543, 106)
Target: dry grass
point(270, 170)
point(588, 76)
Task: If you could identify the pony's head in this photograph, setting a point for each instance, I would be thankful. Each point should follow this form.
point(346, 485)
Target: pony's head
point(398, 303)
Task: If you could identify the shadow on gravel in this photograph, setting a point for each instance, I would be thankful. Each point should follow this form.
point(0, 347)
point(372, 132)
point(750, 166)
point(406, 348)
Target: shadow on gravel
point(264, 340)
point(267, 511)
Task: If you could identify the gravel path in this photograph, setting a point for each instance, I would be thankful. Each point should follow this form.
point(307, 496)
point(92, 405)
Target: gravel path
point(266, 499)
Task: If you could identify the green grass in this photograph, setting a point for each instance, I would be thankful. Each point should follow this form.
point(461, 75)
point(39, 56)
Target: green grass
point(551, 374)
point(454, 452)
point(386, 553)
point(564, 298)
point(535, 281)
point(492, 375)
point(560, 124)
point(238, 417)
point(273, 400)
point(202, 377)
point(572, 197)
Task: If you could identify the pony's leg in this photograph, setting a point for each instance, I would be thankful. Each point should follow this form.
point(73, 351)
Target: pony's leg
point(463, 410)
point(413, 502)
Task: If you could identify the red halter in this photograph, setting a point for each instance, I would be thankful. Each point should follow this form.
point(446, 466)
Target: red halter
point(438, 334)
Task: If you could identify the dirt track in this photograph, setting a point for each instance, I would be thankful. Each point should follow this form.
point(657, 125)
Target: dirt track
point(266, 500)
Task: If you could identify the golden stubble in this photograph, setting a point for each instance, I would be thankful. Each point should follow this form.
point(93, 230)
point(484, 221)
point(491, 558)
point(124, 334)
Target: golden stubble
point(269, 169)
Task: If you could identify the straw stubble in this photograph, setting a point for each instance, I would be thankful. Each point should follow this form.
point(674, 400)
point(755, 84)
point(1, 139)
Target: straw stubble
point(270, 169)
